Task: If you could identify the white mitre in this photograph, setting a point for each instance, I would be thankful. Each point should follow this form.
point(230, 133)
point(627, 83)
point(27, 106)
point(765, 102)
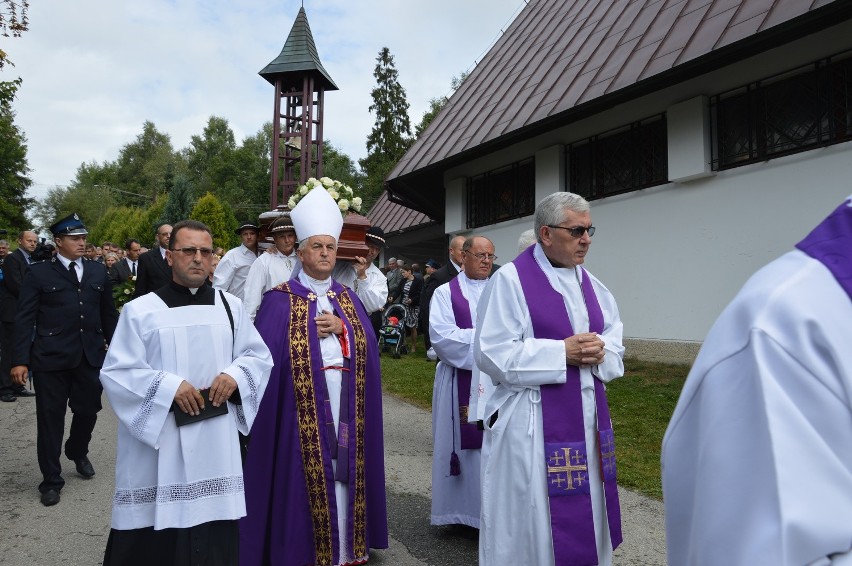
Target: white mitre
point(317, 215)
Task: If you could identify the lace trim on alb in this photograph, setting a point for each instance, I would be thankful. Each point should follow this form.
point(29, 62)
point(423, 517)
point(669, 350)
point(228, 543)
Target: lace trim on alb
point(241, 416)
point(140, 421)
point(176, 493)
point(252, 385)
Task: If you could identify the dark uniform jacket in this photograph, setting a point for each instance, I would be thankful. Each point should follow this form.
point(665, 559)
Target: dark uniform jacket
point(71, 320)
point(14, 269)
point(438, 278)
point(152, 272)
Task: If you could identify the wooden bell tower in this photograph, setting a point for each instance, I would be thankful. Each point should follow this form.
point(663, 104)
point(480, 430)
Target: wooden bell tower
point(300, 83)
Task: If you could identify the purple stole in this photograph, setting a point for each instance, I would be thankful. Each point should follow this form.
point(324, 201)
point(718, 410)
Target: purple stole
point(565, 453)
point(470, 435)
point(831, 244)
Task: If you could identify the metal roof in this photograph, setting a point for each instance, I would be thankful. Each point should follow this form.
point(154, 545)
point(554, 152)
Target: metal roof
point(394, 218)
point(299, 56)
point(561, 60)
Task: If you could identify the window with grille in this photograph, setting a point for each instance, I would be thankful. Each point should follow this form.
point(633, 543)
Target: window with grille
point(799, 110)
point(501, 194)
point(626, 159)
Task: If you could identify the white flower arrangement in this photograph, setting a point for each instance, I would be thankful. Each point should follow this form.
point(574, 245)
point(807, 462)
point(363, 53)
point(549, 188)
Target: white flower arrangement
point(342, 194)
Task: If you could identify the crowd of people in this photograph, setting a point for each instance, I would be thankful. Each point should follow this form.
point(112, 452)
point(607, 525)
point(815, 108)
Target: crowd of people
point(268, 449)
point(275, 434)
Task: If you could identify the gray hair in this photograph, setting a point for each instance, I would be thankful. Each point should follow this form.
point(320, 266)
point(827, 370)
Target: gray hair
point(304, 243)
point(526, 239)
point(551, 209)
point(4, 243)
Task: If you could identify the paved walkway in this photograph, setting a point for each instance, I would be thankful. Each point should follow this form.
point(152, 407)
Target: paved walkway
point(74, 532)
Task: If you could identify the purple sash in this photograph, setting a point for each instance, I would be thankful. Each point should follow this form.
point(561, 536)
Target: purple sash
point(831, 244)
point(471, 436)
point(571, 520)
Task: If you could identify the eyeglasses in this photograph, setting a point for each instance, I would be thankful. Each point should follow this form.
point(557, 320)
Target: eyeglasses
point(483, 256)
point(190, 252)
point(576, 232)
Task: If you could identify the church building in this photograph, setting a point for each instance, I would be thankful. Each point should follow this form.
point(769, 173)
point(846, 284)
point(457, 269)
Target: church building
point(709, 136)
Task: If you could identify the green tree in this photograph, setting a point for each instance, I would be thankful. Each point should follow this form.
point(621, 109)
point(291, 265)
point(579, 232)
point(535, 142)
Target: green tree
point(436, 104)
point(151, 218)
point(14, 170)
point(210, 157)
point(209, 210)
point(248, 192)
point(391, 133)
point(100, 231)
point(341, 167)
point(179, 203)
point(144, 165)
point(90, 202)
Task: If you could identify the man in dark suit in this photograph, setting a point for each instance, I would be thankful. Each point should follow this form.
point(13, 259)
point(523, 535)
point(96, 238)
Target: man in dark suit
point(128, 266)
point(69, 300)
point(154, 271)
point(438, 278)
point(15, 267)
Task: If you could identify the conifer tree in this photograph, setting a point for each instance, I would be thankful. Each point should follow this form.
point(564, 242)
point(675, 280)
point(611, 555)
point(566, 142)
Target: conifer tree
point(391, 133)
point(178, 205)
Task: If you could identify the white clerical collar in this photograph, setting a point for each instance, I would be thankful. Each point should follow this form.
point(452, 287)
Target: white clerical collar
point(193, 290)
point(319, 286)
point(474, 282)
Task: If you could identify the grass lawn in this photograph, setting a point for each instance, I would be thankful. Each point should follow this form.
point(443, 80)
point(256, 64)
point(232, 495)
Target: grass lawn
point(641, 404)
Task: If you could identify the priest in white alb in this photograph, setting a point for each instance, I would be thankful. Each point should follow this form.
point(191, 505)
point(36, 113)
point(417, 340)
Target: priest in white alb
point(757, 461)
point(457, 440)
point(549, 335)
point(185, 353)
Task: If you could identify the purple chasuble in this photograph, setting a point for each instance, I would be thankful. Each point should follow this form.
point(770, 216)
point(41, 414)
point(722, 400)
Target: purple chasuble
point(289, 484)
point(572, 523)
point(831, 244)
point(471, 436)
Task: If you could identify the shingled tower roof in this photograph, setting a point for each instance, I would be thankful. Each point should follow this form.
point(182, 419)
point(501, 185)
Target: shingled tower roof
point(299, 57)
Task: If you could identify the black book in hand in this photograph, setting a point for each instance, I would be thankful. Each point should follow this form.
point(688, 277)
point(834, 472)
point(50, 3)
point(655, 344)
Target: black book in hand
point(209, 411)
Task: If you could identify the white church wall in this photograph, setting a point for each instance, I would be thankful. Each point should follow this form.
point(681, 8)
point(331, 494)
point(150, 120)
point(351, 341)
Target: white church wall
point(676, 254)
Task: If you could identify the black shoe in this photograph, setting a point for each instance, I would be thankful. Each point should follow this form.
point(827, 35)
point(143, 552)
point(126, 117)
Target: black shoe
point(84, 467)
point(8, 398)
point(24, 393)
point(50, 497)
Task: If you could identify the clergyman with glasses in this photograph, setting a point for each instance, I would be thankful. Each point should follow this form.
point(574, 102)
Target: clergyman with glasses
point(549, 334)
point(458, 389)
point(185, 372)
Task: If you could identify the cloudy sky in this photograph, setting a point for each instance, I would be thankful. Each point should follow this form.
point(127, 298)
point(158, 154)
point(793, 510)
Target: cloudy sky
point(95, 70)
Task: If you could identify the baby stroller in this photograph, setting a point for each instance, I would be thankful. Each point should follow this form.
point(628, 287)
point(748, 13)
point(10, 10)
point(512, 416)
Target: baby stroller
point(392, 331)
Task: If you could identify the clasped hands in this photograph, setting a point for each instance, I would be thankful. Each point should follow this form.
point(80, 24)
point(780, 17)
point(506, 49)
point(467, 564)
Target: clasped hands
point(584, 350)
point(190, 400)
